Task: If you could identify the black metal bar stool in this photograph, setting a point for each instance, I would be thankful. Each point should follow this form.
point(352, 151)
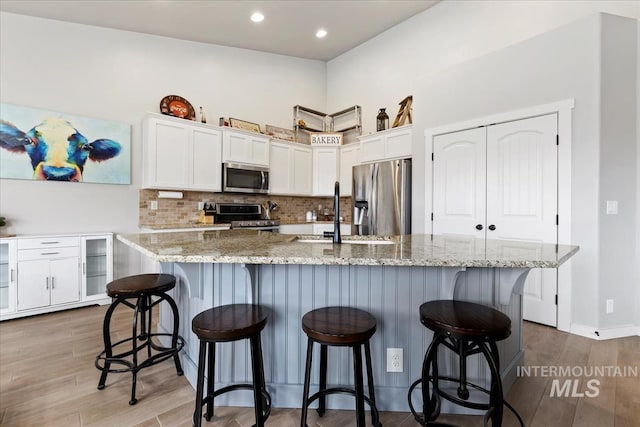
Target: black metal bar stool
point(226, 323)
point(148, 290)
point(340, 326)
point(466, 329)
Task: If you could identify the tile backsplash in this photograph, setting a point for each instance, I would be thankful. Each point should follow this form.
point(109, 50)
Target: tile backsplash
point(291, 210)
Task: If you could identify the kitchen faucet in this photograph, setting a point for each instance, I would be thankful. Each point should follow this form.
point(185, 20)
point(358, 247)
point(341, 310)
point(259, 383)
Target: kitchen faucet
point(336, 216)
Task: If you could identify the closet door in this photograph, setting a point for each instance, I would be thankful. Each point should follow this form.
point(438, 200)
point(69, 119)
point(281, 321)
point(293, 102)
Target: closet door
point(522, 199)
point(459, 183)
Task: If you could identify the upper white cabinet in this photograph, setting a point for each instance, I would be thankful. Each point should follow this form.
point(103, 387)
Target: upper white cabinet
point(290, 168)
point(390, 144)
point(180, 154)
point(349, 157)
point(8, 275)
point(326, 170)
point(245, 147)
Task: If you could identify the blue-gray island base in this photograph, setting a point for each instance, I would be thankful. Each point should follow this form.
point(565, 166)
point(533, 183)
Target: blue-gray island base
point(389, 280)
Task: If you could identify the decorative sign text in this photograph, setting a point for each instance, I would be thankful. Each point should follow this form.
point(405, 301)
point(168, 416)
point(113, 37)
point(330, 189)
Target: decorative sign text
point(326, 138)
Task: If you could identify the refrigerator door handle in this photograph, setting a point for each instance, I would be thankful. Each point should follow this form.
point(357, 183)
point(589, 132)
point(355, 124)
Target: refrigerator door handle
point(373, 202)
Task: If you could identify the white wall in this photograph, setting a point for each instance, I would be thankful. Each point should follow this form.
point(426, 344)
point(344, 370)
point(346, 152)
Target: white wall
point(119, 75)
point(462, 60)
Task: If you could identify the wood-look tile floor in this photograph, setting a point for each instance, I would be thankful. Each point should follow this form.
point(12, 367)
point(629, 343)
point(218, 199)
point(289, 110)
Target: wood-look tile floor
point(48, 378)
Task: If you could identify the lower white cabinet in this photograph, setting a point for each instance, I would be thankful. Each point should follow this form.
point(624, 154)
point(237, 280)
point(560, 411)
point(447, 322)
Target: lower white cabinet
point(313, 228)
point(54, 273)
point(8, 275)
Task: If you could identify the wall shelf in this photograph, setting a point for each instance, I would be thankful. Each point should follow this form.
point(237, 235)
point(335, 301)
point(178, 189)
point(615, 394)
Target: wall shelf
point(347, 121)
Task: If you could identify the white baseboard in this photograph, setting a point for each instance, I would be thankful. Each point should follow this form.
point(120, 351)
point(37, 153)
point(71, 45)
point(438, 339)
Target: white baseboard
point(605, 333)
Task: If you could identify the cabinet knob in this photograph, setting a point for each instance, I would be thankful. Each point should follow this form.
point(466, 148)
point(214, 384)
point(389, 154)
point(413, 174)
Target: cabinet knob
point(479, 227)
point(492, 227)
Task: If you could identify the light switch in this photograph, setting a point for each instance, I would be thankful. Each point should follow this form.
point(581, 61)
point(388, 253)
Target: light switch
point(612, 207)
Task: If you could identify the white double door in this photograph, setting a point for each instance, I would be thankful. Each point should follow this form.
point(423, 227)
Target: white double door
point(500, 182)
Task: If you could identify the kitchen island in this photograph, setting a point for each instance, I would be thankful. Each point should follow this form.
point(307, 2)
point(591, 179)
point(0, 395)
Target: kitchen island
point(388, 276)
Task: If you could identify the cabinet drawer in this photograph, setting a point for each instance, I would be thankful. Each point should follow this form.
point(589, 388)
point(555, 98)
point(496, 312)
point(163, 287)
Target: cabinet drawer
point(48, 242)
point(48, 253)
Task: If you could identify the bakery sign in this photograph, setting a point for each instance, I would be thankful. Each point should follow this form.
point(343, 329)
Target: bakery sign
point(326, 138)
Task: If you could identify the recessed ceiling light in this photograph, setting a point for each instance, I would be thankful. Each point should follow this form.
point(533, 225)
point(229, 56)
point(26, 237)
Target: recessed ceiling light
point(257, 17)
point(321, 33)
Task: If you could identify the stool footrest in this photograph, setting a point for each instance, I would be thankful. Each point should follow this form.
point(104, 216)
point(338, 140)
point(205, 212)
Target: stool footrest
point(165, 353)
point(233, 387)
point(343, 390)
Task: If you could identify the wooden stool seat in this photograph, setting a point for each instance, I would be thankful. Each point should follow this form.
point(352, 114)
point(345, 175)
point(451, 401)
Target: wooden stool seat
point(230, 322)
point(465, 319)
point(226, 323)
point(339, 325)
point(141, 284)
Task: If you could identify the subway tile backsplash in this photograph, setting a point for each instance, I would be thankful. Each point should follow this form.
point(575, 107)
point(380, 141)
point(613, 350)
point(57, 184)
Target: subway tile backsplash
point(291, 210)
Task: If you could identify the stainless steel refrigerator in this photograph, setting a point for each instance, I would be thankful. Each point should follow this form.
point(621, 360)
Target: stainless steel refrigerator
point(381, 197)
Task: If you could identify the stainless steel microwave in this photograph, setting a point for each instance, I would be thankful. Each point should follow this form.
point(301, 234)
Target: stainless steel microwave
point(239, 178)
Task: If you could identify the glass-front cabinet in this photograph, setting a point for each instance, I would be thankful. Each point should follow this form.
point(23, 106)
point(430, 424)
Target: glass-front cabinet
point(97, 261)
point(8, 276)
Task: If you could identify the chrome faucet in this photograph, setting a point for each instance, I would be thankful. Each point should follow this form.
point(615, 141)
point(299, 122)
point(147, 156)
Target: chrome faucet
point(336, 216)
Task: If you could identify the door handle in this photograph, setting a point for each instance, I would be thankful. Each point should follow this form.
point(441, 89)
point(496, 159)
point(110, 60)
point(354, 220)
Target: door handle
point(479, 227)
point(47, 283)
point(53, 282)
point(492, 227)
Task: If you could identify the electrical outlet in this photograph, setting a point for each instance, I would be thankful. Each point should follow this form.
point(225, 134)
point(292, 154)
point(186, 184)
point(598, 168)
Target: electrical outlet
point(153, 205)
point(200, 206)
point(609, 306)
point(394, 360)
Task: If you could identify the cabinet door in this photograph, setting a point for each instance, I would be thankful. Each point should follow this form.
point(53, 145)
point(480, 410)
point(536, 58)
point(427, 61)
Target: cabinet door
point(205, 172)
point(325, 170)
point(236, 147)
point(65, 280)
point(167, 156)
point(349, 156)
point(459, 183)
point(97, 266)
point(8, 267)
point(372, 148)
point(398, 144)
point(279, 169)
point(301, 165)
point(33, 284)
point(259, 150)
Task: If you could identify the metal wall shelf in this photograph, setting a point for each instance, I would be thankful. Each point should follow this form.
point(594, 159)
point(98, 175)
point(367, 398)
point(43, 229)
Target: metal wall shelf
point(307, 120)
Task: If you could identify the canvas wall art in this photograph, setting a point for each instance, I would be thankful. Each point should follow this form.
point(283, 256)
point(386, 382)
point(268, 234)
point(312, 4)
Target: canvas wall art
point(51, 146)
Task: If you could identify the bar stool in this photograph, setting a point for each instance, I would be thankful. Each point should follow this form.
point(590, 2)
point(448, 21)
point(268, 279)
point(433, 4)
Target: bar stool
point(226, 323)
point(466, 329)
point(141, 288)
point(343, 327)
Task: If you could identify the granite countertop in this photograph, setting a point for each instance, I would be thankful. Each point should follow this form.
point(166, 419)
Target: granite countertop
point(259, 247)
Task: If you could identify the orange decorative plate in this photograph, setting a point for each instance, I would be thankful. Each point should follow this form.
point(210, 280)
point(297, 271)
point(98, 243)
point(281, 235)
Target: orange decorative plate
point(177, 106)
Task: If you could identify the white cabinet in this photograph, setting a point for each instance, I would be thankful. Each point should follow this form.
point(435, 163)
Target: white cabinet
point(180, 154)
point(8, 275)
point(290, 169)
point(97, 259)
point(245, 147)
point(48, 272)
point(320, 228)
point(349, 157)
point(326, 169)
point(296, 228)
point(390, 144)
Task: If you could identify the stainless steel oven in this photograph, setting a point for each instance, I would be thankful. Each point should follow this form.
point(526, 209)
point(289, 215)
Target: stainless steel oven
point(239, 178)
point(247, 216)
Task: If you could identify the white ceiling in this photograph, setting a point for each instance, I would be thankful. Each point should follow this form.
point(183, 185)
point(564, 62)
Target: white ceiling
point(289, 27)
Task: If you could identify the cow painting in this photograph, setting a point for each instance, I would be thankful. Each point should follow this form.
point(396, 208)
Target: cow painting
point(57, 150)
